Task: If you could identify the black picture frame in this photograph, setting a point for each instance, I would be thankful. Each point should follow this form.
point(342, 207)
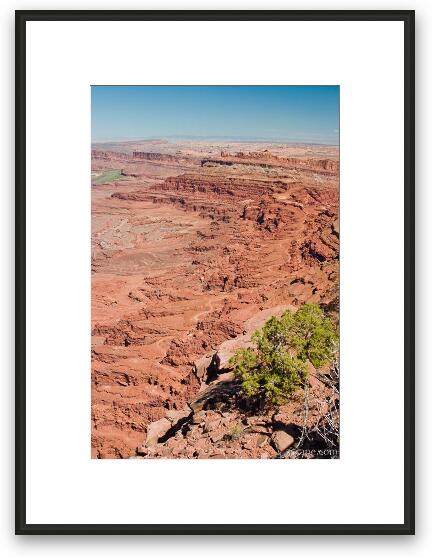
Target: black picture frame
point(21, 526)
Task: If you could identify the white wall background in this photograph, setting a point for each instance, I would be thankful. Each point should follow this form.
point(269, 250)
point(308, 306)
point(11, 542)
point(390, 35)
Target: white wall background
point(231, 545)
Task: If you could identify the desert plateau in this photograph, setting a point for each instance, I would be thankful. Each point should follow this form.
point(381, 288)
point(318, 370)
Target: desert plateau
point(195, 244)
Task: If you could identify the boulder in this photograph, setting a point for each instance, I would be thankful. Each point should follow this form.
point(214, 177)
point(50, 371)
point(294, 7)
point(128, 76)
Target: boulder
point(201, 366)
point(217, 435)
point(201, 444)
point(258, 429)
point(179, 447)
point(175, 416)
point(262, 440)
point(194, 434)
point(198, 417)
point(221, 359)
point(249, 442)
point(155, 430)
point(211, 424)
point(282, 441)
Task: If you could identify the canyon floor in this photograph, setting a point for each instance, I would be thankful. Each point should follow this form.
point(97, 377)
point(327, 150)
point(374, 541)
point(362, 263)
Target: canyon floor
point(194, 245)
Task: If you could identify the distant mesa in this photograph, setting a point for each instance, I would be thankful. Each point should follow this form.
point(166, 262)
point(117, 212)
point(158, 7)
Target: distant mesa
point(143, 155)
point(265, 159)
point(108, 155)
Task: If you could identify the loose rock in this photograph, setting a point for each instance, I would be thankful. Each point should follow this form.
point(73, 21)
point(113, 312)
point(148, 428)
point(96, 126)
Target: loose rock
point(155, 430)
point(282, 441)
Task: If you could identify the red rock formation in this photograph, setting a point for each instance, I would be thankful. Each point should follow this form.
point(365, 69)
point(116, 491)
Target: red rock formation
point(109, 155)
point(154, 156)
point(265, 158)
point(180, 264)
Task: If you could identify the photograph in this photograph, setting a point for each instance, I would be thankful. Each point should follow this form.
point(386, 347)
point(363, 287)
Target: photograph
point(229, 292)
point(215, 272)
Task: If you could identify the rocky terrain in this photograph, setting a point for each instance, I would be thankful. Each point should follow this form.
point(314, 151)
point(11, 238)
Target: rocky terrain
point(194, 246)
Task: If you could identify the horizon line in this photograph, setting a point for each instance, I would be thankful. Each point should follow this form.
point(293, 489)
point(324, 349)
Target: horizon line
point(233, 139)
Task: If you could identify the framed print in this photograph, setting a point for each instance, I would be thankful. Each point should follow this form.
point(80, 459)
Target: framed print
point(215, 272)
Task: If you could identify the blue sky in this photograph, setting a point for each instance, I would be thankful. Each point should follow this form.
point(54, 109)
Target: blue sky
point(307, 114)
